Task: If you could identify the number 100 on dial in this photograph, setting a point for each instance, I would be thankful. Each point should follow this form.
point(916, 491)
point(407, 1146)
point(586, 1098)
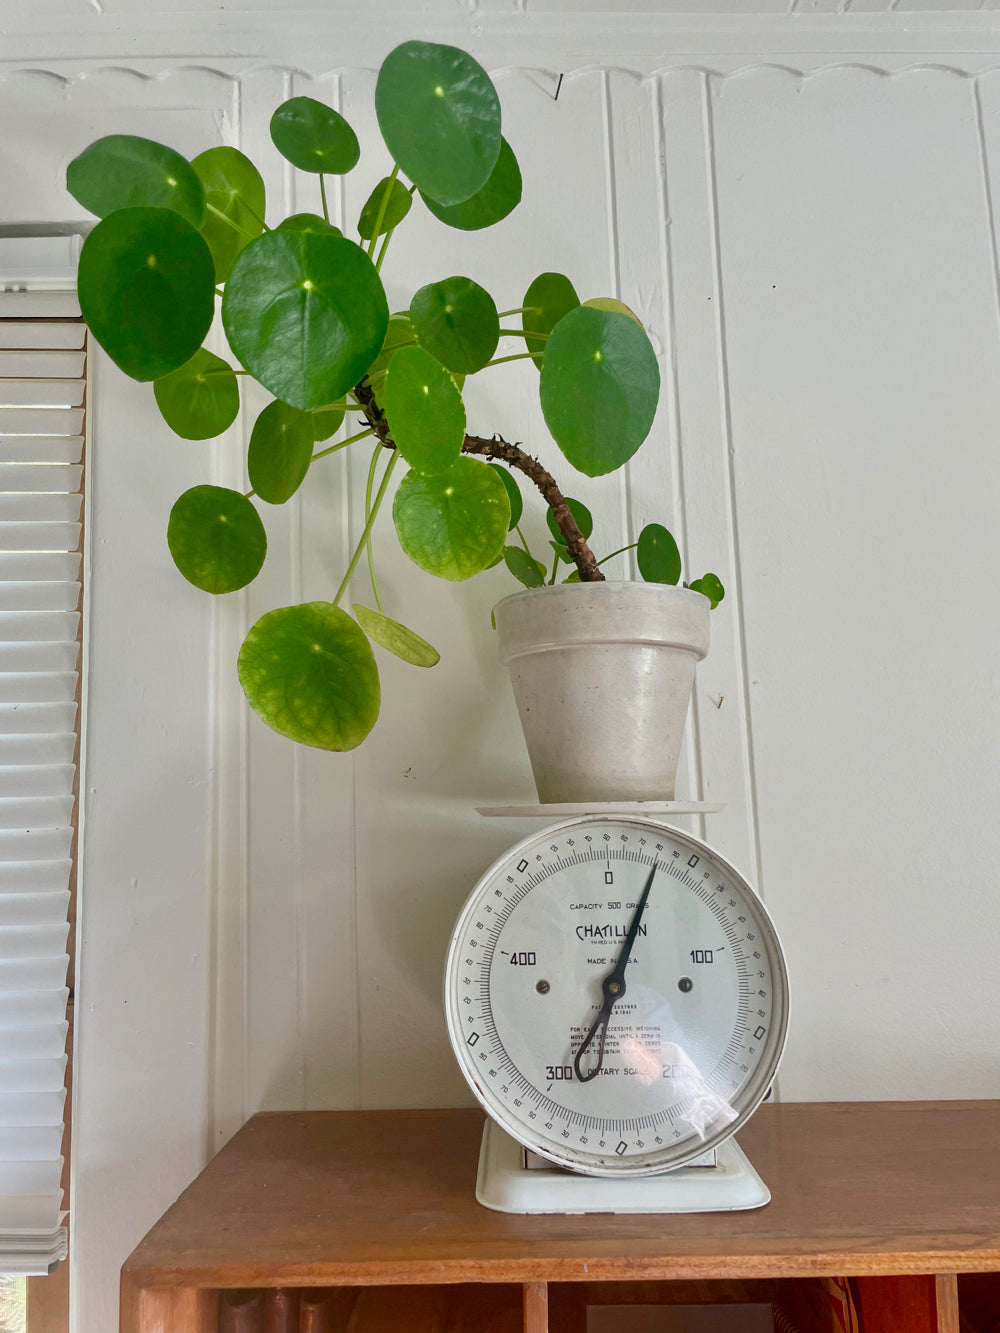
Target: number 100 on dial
point(616, 996)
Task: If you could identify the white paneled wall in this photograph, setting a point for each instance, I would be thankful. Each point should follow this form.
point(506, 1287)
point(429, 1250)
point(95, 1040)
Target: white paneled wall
point(802, 212)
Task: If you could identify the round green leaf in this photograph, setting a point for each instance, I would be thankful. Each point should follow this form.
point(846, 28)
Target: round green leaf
point(200, 399)
point(440, 118)
point(582, 515)
point(499, 196)
point(146, 285)
point(395, 208)
point(326, 421)
point(281, 445)
point(233, 187)
point(599, 387)
point(123, 171)
point(425, 410)
point(396, 637)
point(309, 672)
point(657, 555)
point(457, 321)
point(399, 334)
point(710, 586)
point(306, 315)
point(314, 137)
point(513, 494)
point(216, 538)
point(523, 567)
point(453, 524)
point(545, 302)
point(309, 222)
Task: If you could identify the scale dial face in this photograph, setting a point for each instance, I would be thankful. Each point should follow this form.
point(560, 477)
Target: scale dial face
point(685, 1037)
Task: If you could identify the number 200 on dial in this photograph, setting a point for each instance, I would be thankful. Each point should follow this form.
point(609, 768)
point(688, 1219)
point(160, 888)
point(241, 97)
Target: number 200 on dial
point(616, 996)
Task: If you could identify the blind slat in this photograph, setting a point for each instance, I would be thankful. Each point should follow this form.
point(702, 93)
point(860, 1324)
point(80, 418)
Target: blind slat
point(38, 626)
point(36, 779)
point(44, 448)
point(27, 909)
point(29, 1177)
point(41, 420)
point(48, 566)
point(33, 656)
point(37, 686)
point(39, 974)
point(33, 1041)
point(35, 844)
point(33, 362)
point(31, 1108)
point(24, 943)
point(41, 392)
point(29, 719)
point(29, 476)
point(32, 1006)
point(41, 876)
point(41, 507)
point(35, 1144)
point(20, 812)
point(61, 595)
point(29, 334)
point(56, 748)
point(39, 536)
point(39, 305)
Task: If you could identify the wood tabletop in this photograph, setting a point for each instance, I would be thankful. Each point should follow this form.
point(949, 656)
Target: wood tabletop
point(386, 1197)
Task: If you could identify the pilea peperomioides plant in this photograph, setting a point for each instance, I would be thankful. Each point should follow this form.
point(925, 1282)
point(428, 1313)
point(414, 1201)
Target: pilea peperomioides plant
point(305, 314)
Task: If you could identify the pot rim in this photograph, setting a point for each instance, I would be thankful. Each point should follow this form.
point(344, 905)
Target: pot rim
point(603, 588)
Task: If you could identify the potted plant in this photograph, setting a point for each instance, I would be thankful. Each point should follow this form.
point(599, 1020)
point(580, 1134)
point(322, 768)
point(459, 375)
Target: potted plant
point(305, 314)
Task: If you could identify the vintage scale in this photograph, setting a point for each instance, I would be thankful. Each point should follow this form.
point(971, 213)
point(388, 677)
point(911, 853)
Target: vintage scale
point(617, 999)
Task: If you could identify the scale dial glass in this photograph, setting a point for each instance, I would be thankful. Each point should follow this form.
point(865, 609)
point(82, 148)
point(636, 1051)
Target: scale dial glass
point(692, 1040)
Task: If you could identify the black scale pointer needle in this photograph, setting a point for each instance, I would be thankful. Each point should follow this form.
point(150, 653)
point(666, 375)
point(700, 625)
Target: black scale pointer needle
point(613, 987)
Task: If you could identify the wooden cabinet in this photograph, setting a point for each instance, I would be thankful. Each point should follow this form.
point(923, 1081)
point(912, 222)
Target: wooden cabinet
point(901, 1196)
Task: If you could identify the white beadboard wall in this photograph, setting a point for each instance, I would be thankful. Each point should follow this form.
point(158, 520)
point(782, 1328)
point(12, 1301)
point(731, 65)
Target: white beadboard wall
point(801, 208)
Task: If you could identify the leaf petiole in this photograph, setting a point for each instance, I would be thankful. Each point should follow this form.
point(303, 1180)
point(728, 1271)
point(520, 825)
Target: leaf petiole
point(322, 195)
point(368, 508)
point(380, 215)
point(368, 527)
point(224, 217)
point(362, 434)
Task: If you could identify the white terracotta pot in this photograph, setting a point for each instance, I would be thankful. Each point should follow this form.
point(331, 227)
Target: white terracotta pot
point(602, 675)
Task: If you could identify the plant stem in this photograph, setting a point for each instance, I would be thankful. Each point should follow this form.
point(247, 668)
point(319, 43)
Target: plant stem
point(361, 435)
point(620, 551)
point(523, 333)
point(256, 216)
point(520, 310)
point(224, 217)
point(368, 508)
point(383, 205)
point(219, 291)
point(518, 356)
point(322, 195)
point(368, 527)
point(385, 246)
point(555, 569)
point(527, 552)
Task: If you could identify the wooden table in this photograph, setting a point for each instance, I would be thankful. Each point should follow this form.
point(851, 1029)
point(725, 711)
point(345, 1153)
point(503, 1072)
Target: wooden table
point(902, 1195)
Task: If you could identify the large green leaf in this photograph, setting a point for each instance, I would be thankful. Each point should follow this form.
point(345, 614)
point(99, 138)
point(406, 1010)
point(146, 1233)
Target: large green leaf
point(545, 302)
point(390, 634)
point(424, 409)
point(390, 201)
point(200, 399)
point(281, 445)
point(440, 118)
point(513, 494)
point(599, 387)
point(309, 222)
point(314, 137)
point(499, 196)
point(453, 524)
point(309, 672)
point(657, 555)
point(233, 187)
point(216, 538)
point(456, 320)
point(124, 171)
point(327, 421)
point(306, 314)
point(146, 284)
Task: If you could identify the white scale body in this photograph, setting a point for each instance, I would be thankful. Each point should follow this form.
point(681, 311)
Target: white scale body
point(622, 1099)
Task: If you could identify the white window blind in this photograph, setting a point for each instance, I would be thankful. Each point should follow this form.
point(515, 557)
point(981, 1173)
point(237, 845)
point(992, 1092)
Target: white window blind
point(42, 404)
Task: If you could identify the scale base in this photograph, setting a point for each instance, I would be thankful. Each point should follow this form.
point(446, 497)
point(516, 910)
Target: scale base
point(507, 1185)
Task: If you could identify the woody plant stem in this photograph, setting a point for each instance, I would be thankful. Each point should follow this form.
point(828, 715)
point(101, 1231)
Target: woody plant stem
point(514, 456)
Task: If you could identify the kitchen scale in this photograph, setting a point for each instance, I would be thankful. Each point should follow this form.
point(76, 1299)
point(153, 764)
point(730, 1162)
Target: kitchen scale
point(617, 999)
